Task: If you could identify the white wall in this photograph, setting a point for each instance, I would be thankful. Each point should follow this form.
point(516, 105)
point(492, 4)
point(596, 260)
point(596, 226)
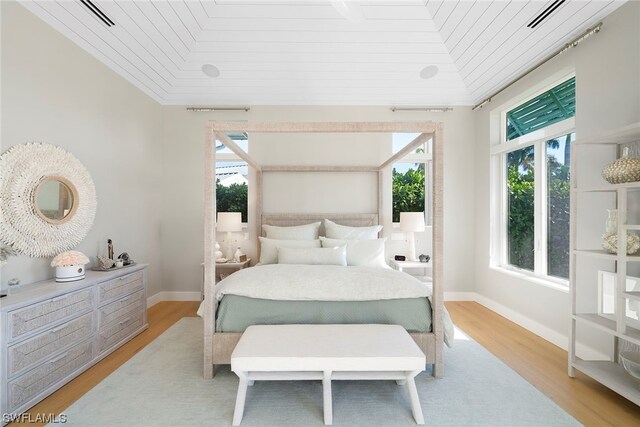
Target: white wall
point(55, 92)
point(183, 180)
point(607, 68)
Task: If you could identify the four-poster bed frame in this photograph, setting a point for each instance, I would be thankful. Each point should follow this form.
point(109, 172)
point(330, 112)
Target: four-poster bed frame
point(219, 345)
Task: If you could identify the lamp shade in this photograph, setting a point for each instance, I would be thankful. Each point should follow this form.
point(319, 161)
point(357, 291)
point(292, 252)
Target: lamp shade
point(412, 221)
point(229, 221)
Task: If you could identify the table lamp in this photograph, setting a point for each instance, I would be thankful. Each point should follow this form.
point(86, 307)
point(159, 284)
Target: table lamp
point(229, 222)
point(411, 222)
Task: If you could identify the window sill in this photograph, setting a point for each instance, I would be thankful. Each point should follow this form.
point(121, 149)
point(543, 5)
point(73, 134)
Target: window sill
point(552, 284)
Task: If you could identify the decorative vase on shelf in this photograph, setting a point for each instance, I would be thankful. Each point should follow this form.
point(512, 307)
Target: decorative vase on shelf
point(625, 169)
point(610, 237)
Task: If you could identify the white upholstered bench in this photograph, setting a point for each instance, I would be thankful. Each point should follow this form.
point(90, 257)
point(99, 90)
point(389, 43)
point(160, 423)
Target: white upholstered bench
point(327, 352)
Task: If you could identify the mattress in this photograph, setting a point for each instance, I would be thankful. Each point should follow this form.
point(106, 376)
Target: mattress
point(236, 313)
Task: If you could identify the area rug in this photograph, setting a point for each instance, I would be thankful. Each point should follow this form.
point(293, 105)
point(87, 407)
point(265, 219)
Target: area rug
point(162, 385)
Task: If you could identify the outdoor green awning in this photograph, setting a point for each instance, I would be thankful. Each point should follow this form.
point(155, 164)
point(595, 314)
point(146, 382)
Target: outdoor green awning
point(551, 107)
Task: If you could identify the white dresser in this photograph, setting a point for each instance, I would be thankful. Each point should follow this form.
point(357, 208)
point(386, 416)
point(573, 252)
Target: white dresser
point(51, 332)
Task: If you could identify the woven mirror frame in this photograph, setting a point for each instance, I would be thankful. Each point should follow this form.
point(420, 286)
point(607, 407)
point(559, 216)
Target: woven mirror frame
point(24, 168)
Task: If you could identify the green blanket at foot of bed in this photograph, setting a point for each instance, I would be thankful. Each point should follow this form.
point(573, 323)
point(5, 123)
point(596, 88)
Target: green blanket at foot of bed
point(236, 313)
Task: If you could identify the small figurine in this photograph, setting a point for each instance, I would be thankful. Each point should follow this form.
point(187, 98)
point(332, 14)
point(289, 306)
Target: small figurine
point(109, 249)
point(424, 258)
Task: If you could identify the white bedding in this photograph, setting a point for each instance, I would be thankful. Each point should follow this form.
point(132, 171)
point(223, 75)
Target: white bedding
point(326, 283)
point(321, 283)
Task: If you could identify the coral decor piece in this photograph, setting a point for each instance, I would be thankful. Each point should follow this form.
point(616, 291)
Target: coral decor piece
point(22, 168)
point(610, 238)
point(610, 243)
point(105, 263)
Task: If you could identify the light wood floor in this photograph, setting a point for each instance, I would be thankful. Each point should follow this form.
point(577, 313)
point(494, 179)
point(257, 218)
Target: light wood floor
point(545, 366)
point(541, 363)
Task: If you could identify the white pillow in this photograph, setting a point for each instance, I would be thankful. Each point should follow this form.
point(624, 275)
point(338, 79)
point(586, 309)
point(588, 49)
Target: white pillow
point(269, 248)
point(360, 252)
point(298, 232)
point(337, 231)
point(315, 256)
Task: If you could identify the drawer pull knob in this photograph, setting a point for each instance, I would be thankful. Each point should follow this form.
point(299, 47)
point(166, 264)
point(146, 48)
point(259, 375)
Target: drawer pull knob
point(62, 356)
point(125, 277)
point(60, 298)
point(125, 321)
point(59, 328)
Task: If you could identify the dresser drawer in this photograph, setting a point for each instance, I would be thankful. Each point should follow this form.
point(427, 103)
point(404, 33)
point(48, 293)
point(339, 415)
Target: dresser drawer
point(38, 315)
point(131, 304)
point(120, 286)
point(26, 387)
point(30, 352)
point(115, 332)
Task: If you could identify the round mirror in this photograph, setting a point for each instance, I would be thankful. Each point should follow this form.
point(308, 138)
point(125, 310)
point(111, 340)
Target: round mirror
point(55, 199)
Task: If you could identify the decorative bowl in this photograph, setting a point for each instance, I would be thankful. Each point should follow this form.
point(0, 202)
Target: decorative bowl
point(625, 169)
point(631, 363)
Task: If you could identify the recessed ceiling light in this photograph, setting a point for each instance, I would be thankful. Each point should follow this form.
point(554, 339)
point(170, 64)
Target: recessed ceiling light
point(210, 70)
point(429, 71)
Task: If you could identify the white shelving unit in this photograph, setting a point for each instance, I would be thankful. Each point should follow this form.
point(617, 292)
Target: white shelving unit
point(609, 373)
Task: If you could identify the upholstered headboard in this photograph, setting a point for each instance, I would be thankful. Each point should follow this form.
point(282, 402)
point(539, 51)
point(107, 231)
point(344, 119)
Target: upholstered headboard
point(288, 220)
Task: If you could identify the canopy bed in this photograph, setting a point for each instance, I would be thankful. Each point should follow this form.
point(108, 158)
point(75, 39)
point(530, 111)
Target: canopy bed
point(282, 289)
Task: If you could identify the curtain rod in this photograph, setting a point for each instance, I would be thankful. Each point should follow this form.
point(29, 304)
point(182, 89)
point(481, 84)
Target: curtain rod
point(573, 43)
point(425, 109)
point(204, 109)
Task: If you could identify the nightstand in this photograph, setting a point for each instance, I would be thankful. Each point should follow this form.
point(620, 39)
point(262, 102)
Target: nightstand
point(402, 265)
point(223, 269)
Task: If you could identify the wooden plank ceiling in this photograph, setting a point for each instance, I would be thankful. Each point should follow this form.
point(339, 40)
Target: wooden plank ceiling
point(320, 52)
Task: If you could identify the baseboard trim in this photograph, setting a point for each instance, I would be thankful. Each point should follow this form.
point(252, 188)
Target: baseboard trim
point(539, 329)
point(460, 296)
point(526, 322)
point(173, 296)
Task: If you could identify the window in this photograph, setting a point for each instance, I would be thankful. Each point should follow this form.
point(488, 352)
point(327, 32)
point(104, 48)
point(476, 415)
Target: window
point(520, 193)
point(241, 140)
point(410, 178)
point(558, 192)
point(408, 188)
point(532, 170)
point(232, 187)
point(232, 178)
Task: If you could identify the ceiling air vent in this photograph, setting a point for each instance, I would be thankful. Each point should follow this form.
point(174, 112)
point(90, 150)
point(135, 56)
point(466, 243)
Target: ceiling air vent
point(545, 13)
point(96, 11)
